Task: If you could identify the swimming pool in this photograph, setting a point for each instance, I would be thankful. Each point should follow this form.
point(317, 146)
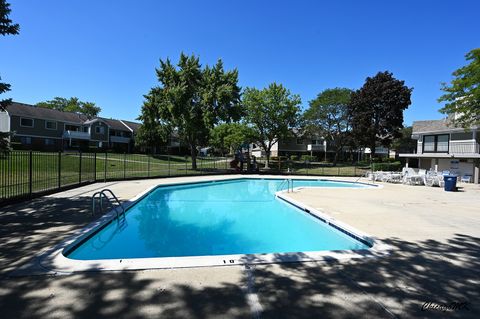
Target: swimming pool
point(217, 218)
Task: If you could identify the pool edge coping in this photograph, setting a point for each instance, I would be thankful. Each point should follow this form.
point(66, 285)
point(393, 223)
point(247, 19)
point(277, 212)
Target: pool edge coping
point(54, 261)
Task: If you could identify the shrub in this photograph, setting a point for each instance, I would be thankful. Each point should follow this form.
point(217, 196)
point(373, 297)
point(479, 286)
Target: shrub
point(309, 158)
point(395, 166)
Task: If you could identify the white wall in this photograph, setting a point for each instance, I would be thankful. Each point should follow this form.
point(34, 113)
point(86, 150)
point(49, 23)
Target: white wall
point(4, 122)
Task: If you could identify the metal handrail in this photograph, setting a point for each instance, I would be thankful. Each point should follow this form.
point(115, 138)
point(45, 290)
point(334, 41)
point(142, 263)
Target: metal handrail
point(281, 185)
point(103, 193)
point(289, 185)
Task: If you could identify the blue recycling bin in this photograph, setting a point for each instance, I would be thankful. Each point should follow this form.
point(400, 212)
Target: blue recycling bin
point(450, 183)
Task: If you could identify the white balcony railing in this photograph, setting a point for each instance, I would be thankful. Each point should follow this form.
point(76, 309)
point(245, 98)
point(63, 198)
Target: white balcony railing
point(76, 135)
point(119, 139)
point(463, 147)
point(316, 147)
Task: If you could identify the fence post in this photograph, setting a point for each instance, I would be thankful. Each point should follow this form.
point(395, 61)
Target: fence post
point(59, 169)
point(80, 169)
point(105, 168)
point(168, 165)
point(148, 166)
point(124, 165)
point(30, 174)
point(186, 158)
point(95, 167)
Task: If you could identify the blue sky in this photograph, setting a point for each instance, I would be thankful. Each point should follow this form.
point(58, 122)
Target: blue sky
point(106, 51)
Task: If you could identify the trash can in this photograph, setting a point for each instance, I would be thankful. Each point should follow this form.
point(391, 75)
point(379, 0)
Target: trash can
point(450, 183)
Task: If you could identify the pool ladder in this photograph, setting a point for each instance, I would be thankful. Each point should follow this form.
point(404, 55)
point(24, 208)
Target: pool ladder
point(289, 182)
point(103, 194)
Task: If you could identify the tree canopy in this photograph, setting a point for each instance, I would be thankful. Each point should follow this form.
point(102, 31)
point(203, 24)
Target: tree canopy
point(462, 96)
point(376, 110)
point(72, 104)
point(7, 27)
point(272, 113)
point(231, 136)
point(404, 143)
point(328, 116)
point(192, 99)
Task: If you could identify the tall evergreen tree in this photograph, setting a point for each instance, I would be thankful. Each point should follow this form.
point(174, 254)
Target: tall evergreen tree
point(192, 99)
point(376, 110)
point(7, 27)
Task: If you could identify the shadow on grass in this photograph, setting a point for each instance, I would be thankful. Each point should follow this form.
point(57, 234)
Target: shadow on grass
point(393, 286)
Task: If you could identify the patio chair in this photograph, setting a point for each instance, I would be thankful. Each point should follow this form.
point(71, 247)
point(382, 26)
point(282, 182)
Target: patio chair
point(467, 178)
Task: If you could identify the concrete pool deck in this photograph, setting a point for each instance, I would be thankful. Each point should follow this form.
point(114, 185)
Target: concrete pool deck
point(435, 261)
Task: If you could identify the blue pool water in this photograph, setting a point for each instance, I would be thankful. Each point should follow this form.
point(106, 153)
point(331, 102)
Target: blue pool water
point(215, 218)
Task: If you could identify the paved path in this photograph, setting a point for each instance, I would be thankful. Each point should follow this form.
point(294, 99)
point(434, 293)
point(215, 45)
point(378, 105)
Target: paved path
point(435, 258)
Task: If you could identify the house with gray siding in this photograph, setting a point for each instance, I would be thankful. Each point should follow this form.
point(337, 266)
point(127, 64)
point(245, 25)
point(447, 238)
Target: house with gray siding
point(39, 128)
point(443, 147)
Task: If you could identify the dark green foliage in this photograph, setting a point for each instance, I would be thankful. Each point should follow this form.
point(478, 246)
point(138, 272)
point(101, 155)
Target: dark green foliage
point(462, 97)
point(404, 143)
point(229, 137)
point(328, 117)
point(272, 113)
point(376, 110)
point(395, 166)
point(6, 27)
point(309, 158)
point(72, 104)
point(193, 100)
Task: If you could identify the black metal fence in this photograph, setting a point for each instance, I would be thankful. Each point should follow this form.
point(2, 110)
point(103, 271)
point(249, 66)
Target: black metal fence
point(25, 174)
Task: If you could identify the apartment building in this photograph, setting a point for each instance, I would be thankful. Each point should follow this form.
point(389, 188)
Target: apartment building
point(444, 147)
point(38, 128)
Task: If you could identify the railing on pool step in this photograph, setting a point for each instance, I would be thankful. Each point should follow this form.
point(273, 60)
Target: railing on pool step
point(102, 194)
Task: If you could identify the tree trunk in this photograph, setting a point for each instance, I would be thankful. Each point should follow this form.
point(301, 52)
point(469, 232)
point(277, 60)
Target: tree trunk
point(335, 158)
point(372, 150)
point(267, 153)
point(193, 152)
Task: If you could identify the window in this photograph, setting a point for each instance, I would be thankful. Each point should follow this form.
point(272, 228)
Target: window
point(26, 140)
point(435, 143)
point(429, 143)
point(26, 122)
point(299, 141)
point(49, 141)
point(99, 129)
point(442, 143)
point(50, 125)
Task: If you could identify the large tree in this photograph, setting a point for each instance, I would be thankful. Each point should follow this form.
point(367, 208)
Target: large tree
point(327, 116)
point(153, 133)
point(192, 99)
point(231, 136)
point(7, 27)
point(72, 104)
point(272, 112)
point(462, 96)
point(376, 110)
